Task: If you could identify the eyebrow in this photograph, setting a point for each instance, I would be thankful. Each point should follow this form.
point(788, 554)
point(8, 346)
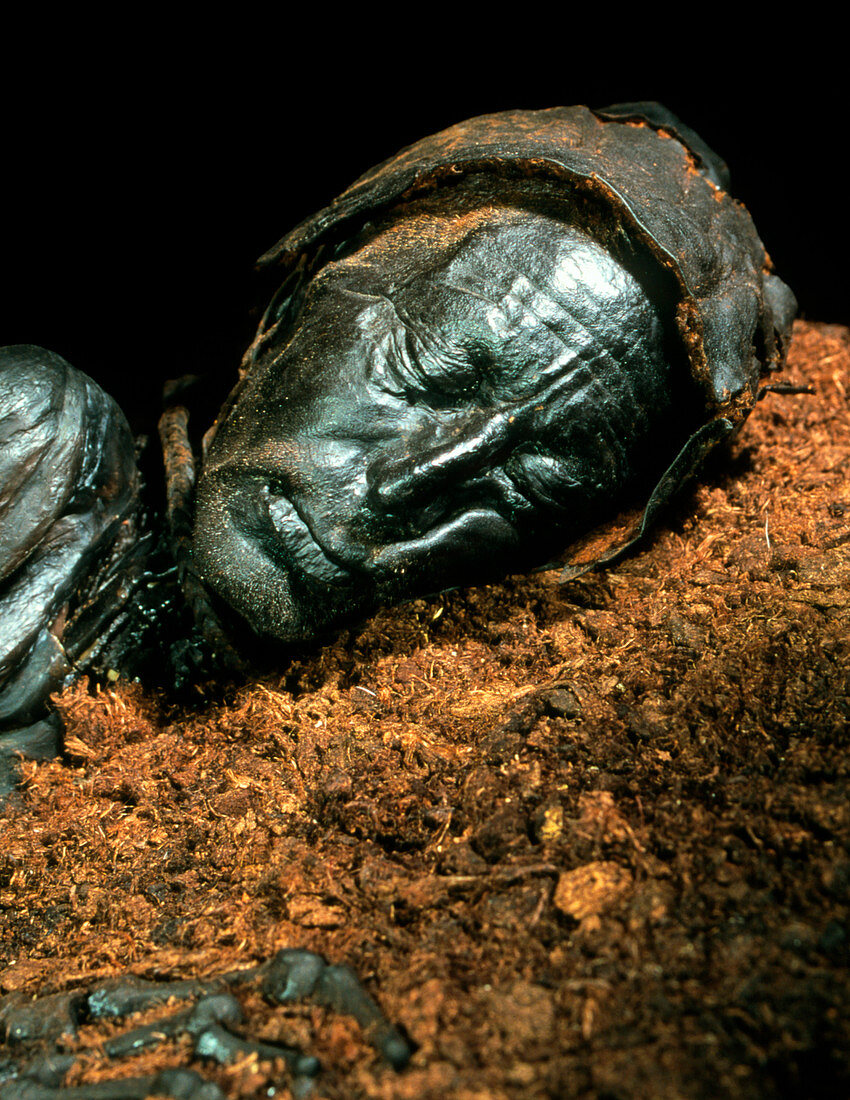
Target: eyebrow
point(591, 349)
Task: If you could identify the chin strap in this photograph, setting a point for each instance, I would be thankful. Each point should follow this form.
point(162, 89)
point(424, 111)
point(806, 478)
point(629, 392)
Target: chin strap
point(179, 462)
point(607, 548)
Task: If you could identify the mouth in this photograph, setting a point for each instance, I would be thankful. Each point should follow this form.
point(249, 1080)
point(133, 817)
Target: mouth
point(296, 542)
point(259, 555)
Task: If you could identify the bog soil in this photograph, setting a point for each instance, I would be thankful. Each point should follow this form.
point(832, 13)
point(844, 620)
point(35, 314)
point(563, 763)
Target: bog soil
point(583, 840)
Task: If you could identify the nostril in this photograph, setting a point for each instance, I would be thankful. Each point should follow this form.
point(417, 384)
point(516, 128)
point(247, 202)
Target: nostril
point(391, 477)
point(395, 487)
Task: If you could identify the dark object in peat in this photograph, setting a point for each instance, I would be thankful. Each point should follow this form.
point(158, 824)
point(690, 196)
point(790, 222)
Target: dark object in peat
point(509, 344)
point(68, 494)
point(515, 338)
point(37, 1032)
point(505, 346)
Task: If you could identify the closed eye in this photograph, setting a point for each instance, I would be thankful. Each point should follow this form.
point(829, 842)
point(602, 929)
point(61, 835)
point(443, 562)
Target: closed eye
point(432, 368)
point(425, 365)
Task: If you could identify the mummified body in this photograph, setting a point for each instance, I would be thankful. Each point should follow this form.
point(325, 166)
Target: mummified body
point(456, 399)
point(507, 345)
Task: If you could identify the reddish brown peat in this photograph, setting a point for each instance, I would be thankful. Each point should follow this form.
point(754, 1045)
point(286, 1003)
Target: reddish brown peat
point(583, 841)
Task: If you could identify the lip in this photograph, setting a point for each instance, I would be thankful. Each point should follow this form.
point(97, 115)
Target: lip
point(461, 537)
point(297, 542)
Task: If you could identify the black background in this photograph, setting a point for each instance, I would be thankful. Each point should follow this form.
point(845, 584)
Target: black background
point(146, 167)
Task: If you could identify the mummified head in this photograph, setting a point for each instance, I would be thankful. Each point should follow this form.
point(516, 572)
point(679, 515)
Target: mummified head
point(452, 400)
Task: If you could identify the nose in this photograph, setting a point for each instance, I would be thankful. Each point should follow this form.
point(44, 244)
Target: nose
point(426, 465)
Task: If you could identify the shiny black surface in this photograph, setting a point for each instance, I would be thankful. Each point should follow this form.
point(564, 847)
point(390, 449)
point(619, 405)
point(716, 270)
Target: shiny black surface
point(481, 357)
point(478, 352)
point(68, 487)
point(451, 401)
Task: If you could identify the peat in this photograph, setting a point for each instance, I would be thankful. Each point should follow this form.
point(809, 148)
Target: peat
point(586, 840)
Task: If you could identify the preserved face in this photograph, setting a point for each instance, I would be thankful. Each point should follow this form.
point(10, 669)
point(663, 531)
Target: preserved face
point(451, 402)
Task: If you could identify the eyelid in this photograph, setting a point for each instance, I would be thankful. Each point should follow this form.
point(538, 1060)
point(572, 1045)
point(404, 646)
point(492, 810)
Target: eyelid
point(426, 364)
point(423, 362)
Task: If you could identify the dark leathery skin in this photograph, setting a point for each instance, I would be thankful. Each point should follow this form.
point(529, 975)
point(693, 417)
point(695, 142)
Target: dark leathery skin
point(68, 481)
point(508, 344)
point(457, 379)
point(420, 429)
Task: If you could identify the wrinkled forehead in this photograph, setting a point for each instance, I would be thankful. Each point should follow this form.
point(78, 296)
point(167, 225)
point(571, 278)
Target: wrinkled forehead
point(517, 288)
